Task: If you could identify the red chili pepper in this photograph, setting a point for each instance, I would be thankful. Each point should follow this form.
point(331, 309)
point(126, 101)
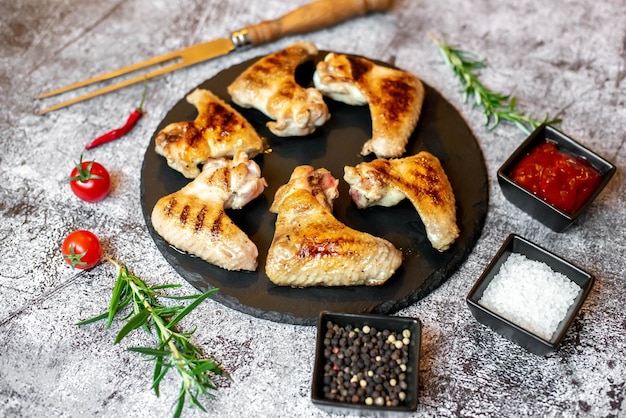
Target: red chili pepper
point(123, 130)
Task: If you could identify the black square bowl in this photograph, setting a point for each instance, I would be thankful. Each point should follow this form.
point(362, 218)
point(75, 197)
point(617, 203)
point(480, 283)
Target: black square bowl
point(381, 324)
point(539, 209)
point(530, 341)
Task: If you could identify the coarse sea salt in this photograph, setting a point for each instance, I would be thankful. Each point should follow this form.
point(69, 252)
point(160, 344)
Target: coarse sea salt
point(530, 294)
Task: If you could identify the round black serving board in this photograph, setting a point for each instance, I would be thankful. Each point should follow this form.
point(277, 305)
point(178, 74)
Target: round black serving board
point(441, 131)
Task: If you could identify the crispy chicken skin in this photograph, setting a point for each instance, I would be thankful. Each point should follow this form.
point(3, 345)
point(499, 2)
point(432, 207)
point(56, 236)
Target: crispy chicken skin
point(194, 219)
point(395, 98)
point(312, 248)
point(269, 85)
point(421, 179)
point(218, 131)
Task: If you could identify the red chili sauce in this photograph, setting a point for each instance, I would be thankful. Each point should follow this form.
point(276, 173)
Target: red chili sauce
point(561, 179)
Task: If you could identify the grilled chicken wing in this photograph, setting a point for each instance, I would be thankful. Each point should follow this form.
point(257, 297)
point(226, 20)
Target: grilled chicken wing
point(194, 219)
point(218, 131)
point(394, 96)
point(422, 179)
point(312, 248)
point(269, 85)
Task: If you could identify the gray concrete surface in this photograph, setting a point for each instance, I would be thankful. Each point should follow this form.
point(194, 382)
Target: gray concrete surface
point(566, 57)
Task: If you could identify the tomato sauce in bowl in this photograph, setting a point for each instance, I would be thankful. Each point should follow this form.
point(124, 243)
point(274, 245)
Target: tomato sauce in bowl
point(553, 178)
point(560, 178)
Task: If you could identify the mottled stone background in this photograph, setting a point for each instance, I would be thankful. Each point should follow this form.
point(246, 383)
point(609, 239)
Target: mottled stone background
point(565, 57)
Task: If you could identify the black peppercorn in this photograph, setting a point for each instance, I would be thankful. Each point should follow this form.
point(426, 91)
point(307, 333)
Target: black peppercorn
point(364, 366)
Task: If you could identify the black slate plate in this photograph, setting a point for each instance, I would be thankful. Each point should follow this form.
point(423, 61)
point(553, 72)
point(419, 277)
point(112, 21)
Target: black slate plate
point(441, 131)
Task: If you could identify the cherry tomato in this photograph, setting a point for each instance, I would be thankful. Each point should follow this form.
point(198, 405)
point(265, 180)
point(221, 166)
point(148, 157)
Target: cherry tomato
point(81, 249)
point(90, 181)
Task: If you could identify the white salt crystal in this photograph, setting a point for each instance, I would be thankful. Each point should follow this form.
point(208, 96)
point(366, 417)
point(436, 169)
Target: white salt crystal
point(530, 294)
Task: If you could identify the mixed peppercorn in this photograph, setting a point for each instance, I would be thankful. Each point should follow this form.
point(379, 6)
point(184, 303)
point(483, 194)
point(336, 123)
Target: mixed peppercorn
point(365, 366)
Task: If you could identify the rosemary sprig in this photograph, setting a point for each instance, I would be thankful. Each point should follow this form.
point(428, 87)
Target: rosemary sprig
point(174, 350)
point(496, 106)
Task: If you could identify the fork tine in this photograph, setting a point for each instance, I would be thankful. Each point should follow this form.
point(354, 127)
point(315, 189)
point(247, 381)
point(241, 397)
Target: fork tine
point(116, 73)
point(114, 87)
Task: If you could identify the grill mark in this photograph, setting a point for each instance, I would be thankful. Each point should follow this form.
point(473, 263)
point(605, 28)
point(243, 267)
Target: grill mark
point(226, 175)
point(169, 209)
point(288, 89)
point(219, 119)
point(399, 91)
point(399, 96)
point(187, 133)
point(184, 214)
point(359, 67)
point(423, 181)
point(199, 225)
point(216, 228)
point(428, 183)
point(310, 247)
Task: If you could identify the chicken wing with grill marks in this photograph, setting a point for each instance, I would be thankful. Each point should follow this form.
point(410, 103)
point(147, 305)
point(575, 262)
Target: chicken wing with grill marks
point(269, 85)
point(218, 131)
point(421, 179)
point(312, 248)
point(194, 219)
point(395, 98)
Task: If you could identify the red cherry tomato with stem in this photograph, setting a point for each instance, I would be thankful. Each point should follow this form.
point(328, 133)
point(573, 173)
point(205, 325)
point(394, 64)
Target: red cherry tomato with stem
point(81, 249)
point(90, 181)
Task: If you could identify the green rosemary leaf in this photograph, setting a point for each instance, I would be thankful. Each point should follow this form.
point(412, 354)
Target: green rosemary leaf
point(208, 385)
point(97, 318)
point(194, 400)
point(149, 351)
point(160, 370)
point(188, 345)
point(120, 283)
point(174, 348)
point(191, 306)
point(168, 311)
point(181, 402)
point(128, 298)
point(207, 365)
point(140, 285)
point(166, 286)
point(496, 106)
point(133, 323)
point(522, 127)
point(128, 315)
point(184, 297)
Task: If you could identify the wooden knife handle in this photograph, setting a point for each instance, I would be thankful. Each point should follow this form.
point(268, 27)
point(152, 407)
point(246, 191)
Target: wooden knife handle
point(308, 18)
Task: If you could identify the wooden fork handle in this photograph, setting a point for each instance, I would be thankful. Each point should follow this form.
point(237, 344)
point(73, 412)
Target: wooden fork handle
point(317, 15)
